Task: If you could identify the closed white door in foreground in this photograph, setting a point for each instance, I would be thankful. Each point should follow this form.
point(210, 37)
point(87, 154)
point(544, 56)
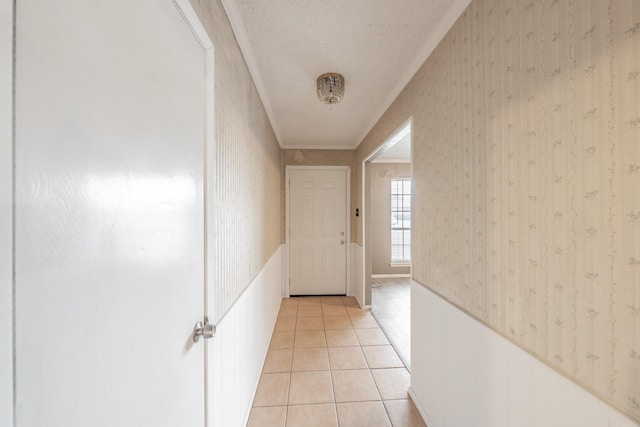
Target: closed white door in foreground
point(109, 215)
point(318, 240)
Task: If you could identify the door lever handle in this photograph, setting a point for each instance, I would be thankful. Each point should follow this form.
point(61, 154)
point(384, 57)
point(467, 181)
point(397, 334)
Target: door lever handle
point(205, 330)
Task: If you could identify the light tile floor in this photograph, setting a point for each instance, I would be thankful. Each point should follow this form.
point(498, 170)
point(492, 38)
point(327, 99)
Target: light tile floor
point(330, 365)
point(391, 306)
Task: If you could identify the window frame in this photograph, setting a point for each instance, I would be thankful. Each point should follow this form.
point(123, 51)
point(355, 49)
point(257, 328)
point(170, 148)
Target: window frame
point(401, 209)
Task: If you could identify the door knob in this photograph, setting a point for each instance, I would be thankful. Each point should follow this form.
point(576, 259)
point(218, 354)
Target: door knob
point(342, 242)
point(205, 330)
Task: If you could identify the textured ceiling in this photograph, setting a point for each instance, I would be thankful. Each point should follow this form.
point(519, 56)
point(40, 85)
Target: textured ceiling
point(377, 45)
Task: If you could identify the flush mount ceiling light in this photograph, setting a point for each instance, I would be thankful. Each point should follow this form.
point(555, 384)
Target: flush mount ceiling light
point(330, 88)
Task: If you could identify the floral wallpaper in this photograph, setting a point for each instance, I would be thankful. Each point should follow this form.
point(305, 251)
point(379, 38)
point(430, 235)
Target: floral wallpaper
point(246, 173)
point(526, 127)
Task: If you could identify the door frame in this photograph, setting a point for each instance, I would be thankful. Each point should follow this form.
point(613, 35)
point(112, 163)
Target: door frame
point(201, 35)
point(7, 362)
point(367, 258)
point(347, 170)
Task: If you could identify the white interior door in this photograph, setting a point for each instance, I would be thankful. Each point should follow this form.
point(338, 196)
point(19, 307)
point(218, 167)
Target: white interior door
point(109, 215)
point(318, 231)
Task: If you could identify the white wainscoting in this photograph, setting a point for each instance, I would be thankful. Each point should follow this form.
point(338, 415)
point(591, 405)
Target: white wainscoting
point(464, 374)
point(357, 280)
point(237, 353)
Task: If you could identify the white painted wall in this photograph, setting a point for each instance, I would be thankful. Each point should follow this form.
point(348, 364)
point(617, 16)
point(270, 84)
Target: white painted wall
point(465, 374)
point(237, 353)
point(6, 215)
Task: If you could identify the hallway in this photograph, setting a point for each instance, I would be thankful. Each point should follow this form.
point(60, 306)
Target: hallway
point(330, 364)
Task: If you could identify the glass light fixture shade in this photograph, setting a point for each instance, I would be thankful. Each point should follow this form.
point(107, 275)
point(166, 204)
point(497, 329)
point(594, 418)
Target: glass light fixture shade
point(330, 88)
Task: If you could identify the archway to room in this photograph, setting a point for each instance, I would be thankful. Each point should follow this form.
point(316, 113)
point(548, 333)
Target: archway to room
point(387, 232)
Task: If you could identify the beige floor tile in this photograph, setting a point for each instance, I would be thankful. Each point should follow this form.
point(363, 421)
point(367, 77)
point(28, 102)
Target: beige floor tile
point(309, 301)
point(288, 311)
point(357, 311)
point(309, 310)
point(337, 322)
point(284, 324)
point(289, 302)
point(282, 340)
point(271, 416)
point(350, 302)
point(372, 336)
point(364, 321)
point(312, 416)
point(354, 386)
point(309, 323)
point(278, 360)
point(272, 390)
point(310, 387)
point(332, 301)
point(309, 339)
point(361, 414)
point(382, 356)
point(403, 413)
point(310, 359)
point(393, 383)
point(341, 338)
point(346, 358)
point(333, 310)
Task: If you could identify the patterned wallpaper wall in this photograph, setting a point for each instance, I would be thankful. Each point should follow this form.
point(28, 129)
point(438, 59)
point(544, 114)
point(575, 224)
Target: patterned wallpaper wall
point(526, 123)
point(246, 171)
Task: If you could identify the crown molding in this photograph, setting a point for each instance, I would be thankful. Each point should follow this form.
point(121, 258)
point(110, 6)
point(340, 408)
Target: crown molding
point(237, 25)
point(441, 30)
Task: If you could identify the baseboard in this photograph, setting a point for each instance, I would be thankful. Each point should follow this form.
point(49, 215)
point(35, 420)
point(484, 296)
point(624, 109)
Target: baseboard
point(389, 276)
point(421, 409)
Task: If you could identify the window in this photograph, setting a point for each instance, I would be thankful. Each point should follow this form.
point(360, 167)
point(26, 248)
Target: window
point(400, 220)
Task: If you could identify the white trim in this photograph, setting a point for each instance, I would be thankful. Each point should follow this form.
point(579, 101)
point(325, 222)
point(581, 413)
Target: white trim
point(200, 33)
point(442, 28)
point(237, 25)
point(347, 170)
point(318, 147)
point(390, 161)
point(390, 276)
point(192, 20)
point(366, 196)
point(6, 213)
point(421, 409)
point(407, 123)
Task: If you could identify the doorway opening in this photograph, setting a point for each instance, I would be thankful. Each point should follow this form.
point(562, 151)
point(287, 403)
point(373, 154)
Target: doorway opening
point(387, 242)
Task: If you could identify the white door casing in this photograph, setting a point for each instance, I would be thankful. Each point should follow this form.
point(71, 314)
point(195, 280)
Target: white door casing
point(318, 230)
point(109, 257)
